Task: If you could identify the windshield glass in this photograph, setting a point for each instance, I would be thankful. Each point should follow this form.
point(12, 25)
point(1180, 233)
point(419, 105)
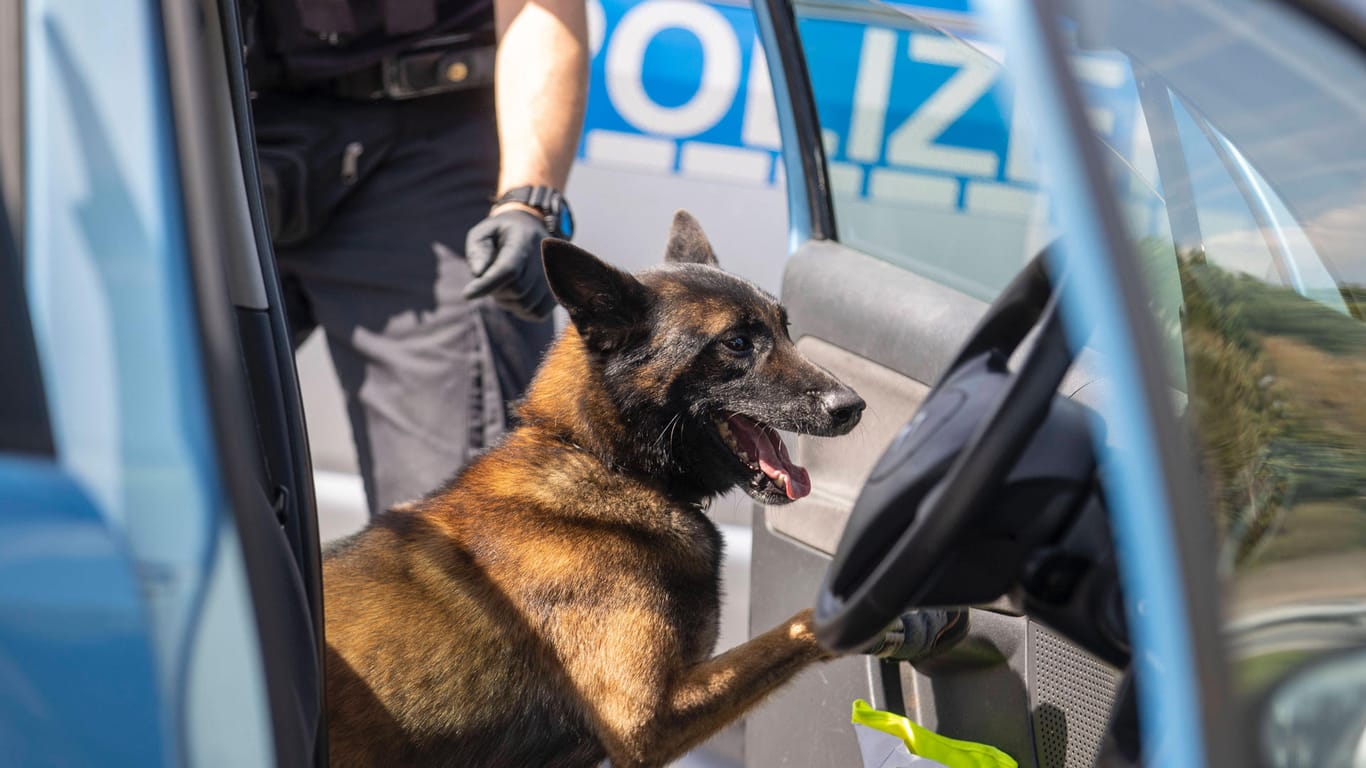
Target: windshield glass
point(1255, 121)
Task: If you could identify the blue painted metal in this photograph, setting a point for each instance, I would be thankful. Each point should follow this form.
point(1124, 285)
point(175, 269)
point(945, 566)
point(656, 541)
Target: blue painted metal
point(658, 59)
point(113, 312)
point(672, 71)
point(1155, 598)
point(77, 671)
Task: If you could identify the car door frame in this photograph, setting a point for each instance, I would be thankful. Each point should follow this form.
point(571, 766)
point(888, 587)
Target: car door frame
point(1154, 497)
point(1187, 712)
point(811, 210)
point(249, 364)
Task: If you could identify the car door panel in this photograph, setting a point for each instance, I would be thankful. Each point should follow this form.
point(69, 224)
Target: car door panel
point(1012, 683)
point(71, 609)
point(136, 250)
point(78, 680)
point(887, 333)
point(806, 723)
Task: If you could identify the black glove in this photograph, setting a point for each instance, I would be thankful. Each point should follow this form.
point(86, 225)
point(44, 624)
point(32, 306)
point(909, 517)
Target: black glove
point(920, 634)
point(504, 253)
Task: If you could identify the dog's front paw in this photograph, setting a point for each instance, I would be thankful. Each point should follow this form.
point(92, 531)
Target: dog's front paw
point(801, 629)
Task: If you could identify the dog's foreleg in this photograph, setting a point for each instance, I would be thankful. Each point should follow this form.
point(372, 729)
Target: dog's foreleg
point(703, 699)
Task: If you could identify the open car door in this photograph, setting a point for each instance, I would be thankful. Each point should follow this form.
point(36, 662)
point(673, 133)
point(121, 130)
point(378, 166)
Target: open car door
point(926, 263)
point(1174, 589)
point(913, 206)
point(171, 480)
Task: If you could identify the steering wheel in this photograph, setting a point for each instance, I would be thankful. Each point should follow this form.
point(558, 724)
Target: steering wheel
point(993, 465)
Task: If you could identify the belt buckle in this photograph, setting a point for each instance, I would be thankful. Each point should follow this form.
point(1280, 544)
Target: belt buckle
point(439, 66)
point(393, 85)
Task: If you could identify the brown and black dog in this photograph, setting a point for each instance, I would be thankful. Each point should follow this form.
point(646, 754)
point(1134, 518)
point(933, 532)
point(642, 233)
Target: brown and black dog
point(557, 602)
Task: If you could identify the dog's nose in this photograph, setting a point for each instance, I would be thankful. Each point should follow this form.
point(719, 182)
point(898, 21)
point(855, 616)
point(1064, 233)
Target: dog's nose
point(844, 406)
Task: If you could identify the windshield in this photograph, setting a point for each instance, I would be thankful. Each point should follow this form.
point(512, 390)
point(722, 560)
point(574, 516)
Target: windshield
point(1254, 121)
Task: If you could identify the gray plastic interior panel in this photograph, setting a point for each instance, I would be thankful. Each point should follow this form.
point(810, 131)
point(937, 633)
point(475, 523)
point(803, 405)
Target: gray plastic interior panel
point(978, 690)
point(1011, 683)
point(849, 309)
point(805, 724)
point(887, 333)
point(1019, 687)
point(875, 310)
point(1070, 698)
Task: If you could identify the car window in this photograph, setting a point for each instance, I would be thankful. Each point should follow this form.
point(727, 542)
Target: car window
point(925, 170)
point(1269, 276)
point(1246, 227)
point(931, 165)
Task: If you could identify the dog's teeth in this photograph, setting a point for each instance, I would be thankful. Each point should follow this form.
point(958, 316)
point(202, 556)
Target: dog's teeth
point(723, 429)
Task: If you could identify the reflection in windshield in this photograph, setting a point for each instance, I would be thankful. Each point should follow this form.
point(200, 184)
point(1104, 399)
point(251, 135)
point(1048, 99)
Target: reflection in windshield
point(1260, 292)
point(1245, 225)
point(1275, 392)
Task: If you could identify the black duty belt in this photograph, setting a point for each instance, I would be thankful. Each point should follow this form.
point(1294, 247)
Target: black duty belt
point(438, 65)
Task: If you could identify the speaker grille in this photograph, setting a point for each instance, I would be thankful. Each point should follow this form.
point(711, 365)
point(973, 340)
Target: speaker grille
point(1072, 694)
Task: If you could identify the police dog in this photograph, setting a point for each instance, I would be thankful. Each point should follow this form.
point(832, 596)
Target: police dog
point(557, 602)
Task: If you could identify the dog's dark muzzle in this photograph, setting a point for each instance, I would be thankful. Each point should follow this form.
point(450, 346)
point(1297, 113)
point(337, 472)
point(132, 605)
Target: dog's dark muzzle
point(841, 409)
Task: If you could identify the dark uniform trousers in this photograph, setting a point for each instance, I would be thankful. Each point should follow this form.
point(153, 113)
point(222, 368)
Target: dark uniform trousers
point(427, 375)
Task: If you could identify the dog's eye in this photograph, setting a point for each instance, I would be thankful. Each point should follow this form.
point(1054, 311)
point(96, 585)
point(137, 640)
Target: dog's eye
point(738, 344)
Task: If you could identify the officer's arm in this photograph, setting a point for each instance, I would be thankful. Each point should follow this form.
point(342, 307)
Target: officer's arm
point(541, 84)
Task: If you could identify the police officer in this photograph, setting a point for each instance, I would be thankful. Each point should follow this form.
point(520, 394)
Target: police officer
point(407, 220)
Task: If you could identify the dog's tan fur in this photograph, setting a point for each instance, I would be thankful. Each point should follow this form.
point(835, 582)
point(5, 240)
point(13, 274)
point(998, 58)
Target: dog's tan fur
point(551, 606)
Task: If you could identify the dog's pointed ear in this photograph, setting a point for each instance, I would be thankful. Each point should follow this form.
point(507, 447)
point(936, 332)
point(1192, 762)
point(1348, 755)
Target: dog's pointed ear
point(688, 243)
point(606, 305)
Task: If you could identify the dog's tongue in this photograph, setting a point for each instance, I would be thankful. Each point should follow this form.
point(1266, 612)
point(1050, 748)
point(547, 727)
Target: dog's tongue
point(772, 454)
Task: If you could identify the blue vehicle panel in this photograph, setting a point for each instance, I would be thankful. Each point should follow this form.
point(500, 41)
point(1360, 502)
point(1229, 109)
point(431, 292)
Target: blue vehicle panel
point(679, 88)
point(77, 671)
point(115, 323)
point(682, 89)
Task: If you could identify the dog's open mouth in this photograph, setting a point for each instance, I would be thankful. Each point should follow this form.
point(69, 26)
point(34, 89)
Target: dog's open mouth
point(761, 449)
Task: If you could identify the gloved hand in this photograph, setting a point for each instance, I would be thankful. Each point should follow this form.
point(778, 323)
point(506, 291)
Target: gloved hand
point(920, 634)
point(504, 253)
